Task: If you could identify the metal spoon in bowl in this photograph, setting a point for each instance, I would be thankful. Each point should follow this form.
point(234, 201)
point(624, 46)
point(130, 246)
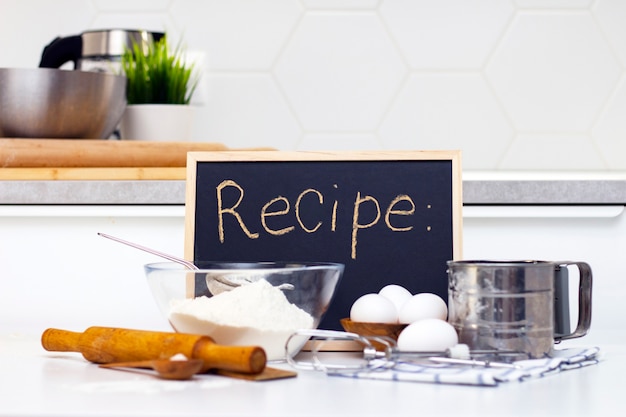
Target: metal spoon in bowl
point(184, 262)
point(229, 284)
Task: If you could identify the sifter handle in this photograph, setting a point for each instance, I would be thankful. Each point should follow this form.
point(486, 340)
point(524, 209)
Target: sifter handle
point(584, 301)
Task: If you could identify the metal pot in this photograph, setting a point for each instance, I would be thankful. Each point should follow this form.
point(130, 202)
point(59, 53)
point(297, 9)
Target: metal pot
point(95, 50)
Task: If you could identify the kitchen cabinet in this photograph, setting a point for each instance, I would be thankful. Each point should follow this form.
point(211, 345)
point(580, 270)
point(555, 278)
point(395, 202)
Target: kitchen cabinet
point(56, 271)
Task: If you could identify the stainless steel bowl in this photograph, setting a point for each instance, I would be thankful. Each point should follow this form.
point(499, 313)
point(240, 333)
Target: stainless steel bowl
point(54, 103)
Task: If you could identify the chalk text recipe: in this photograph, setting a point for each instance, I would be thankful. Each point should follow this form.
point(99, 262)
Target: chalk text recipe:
point(281, 206)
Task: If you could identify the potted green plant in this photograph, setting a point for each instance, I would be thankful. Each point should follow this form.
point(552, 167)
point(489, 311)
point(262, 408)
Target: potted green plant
point(160, 85)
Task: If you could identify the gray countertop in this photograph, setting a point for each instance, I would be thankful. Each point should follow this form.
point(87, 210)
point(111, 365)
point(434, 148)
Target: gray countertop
point(478, 188)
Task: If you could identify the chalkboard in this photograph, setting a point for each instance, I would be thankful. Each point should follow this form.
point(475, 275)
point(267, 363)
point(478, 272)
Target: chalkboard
point(389, 217)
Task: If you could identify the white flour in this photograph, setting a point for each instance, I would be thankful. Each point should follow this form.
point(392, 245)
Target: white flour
point(253, 314)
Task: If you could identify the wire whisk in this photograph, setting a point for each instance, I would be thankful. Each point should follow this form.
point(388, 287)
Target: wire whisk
point(371, 358)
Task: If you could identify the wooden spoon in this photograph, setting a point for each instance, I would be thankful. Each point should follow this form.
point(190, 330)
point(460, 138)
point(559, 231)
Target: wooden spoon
point(165, 368)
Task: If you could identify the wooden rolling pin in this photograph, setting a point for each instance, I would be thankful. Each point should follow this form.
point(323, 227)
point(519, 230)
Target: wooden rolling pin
point(90, 153)
point(29, 153)
point(108, 344)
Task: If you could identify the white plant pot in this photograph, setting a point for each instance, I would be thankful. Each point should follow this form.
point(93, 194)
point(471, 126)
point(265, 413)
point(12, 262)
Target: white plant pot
point(157, 122)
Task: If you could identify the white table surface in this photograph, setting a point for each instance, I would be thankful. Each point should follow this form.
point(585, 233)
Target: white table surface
point(34, 382)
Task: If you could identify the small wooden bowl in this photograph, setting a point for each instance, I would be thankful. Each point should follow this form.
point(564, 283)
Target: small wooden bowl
point(373, 329)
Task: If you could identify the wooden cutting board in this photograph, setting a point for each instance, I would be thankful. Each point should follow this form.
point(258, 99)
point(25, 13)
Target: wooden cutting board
point(95, 173)
point(97, 159)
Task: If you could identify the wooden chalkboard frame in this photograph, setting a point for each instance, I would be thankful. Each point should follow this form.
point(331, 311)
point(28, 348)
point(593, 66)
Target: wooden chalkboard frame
point(450, 161)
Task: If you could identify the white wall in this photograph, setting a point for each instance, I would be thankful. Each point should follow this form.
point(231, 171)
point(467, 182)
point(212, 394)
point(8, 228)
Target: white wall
point(515, 84)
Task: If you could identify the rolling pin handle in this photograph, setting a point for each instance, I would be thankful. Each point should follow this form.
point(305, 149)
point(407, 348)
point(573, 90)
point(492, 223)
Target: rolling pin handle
point(57, 340)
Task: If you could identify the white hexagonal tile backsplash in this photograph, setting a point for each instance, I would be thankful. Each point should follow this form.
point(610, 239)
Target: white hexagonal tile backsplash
point(237, 34)
point(449, 111)
point(516, 85)
point(446, 34)
point(26, 27)
point(553, 72)
point(340, 71)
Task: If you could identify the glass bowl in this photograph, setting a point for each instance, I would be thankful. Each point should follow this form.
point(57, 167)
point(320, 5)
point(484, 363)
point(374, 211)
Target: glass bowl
point(238, 303)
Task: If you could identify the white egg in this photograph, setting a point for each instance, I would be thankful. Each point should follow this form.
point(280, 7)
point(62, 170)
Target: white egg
point(423, 306)
point(373, 308)
point(428, 335)
point(396, 294)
